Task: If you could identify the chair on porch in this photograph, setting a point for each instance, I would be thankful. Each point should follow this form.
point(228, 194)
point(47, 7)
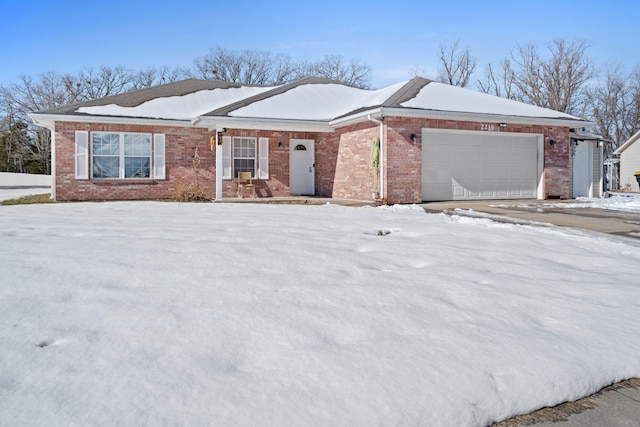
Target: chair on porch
point(245, 181)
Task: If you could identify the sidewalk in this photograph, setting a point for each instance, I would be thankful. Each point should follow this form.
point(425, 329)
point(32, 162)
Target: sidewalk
point(615, 406)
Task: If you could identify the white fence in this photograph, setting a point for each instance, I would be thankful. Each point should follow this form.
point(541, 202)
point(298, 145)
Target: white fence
point(16, 180)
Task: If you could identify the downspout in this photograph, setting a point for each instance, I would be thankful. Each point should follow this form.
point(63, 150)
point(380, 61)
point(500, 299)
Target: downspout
point(219, 165)
point(601, 165)
point(53, 163)
point(382, 158)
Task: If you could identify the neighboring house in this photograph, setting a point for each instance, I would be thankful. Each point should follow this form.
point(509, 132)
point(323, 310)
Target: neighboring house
point(315, 137)
point(629, 153)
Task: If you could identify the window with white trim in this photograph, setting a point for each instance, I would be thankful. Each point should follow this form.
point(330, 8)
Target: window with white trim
point(120, 155)
point(244, 155)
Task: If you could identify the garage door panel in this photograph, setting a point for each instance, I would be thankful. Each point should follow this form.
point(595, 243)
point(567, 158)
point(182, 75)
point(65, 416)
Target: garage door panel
point(459, 165)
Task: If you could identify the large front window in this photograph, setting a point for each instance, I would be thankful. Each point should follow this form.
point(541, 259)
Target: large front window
point(244, 156)
point(121, 155)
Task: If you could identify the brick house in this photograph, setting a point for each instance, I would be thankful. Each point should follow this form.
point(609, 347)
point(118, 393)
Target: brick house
point(410, 142)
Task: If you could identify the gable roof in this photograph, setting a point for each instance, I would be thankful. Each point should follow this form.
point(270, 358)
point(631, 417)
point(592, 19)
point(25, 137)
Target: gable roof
point(311, 101)
point(628, 143)
point(137, 97)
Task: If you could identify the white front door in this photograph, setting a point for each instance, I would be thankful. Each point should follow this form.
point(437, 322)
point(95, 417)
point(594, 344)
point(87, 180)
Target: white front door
point(583, 170)
point(301, 167)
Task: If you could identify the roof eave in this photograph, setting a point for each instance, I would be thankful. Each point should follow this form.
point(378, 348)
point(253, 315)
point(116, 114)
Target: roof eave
point(48, 120)
point(259, 123)
point(626, 145)
point(456, 115)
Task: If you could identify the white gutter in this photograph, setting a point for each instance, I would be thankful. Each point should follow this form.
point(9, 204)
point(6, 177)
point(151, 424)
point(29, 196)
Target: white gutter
point(47, 120)
point(382, 158)
point(259, 123)
point(455, 115)
point(601, 183)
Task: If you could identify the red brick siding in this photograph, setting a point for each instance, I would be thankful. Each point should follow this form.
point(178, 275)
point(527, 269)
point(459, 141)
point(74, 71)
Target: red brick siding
point(180, 145)
point(404, 159)
point(341, 159)
point(347, 155)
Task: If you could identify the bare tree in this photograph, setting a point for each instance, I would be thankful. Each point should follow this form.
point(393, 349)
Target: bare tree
point(632, 121)
point(456, 65)
point(555, 82)
point(103, 81)
point(157, 76)
point(264, 68)
point(335, 67)
point(248, 66)
point(613, 103)
point(498, 81)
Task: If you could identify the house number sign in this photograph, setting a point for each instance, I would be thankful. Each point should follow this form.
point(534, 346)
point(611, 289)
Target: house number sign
point(487, 126)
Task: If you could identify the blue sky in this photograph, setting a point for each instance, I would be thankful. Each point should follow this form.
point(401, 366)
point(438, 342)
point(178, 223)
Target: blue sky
point(391, 36)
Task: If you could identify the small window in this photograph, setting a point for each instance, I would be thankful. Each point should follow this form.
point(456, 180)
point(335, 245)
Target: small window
point(300, 147)
point(244, 156)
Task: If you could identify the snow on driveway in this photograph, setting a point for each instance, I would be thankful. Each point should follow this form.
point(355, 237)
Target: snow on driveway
point(233, 314)
point(617, 202)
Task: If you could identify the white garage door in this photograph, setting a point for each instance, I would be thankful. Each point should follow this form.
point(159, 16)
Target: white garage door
point(470, 165)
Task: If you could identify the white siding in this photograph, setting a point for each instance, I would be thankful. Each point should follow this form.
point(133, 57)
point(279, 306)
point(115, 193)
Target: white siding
point(630, 163)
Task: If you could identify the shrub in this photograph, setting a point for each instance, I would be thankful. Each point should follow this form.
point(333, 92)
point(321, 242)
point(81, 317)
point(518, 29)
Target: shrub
point(190, 192)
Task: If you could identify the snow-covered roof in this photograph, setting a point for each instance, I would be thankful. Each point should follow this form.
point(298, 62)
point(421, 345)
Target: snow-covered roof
point(310, 100)
point(183, 107)
point(443, 97)
point(316, 102)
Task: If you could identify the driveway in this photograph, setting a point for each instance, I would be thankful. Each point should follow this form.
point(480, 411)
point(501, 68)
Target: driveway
point(543, 212)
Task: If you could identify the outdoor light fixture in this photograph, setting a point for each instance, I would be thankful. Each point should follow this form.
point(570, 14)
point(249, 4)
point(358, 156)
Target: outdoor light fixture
point(552, 142)
point(280, 144)
point(413, 137)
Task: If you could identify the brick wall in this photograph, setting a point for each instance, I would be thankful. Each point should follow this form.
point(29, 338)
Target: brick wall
point(404, 173)
point(342, 161)
point(180, 146)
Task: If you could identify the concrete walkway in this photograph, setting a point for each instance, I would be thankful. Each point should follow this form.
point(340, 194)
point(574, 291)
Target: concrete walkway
point(616, 405)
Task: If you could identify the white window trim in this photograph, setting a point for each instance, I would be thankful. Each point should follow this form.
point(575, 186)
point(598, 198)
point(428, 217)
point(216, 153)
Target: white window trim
point(159, 157)
point(81, 154)
point(263, 158)
point(121, 171)
point(255, 155)
point(227, 163)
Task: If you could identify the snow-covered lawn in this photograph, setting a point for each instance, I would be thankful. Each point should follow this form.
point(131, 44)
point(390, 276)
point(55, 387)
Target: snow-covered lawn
point(233, 314)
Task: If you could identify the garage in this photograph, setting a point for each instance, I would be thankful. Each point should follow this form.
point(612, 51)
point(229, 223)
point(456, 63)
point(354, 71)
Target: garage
point(477, 165)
